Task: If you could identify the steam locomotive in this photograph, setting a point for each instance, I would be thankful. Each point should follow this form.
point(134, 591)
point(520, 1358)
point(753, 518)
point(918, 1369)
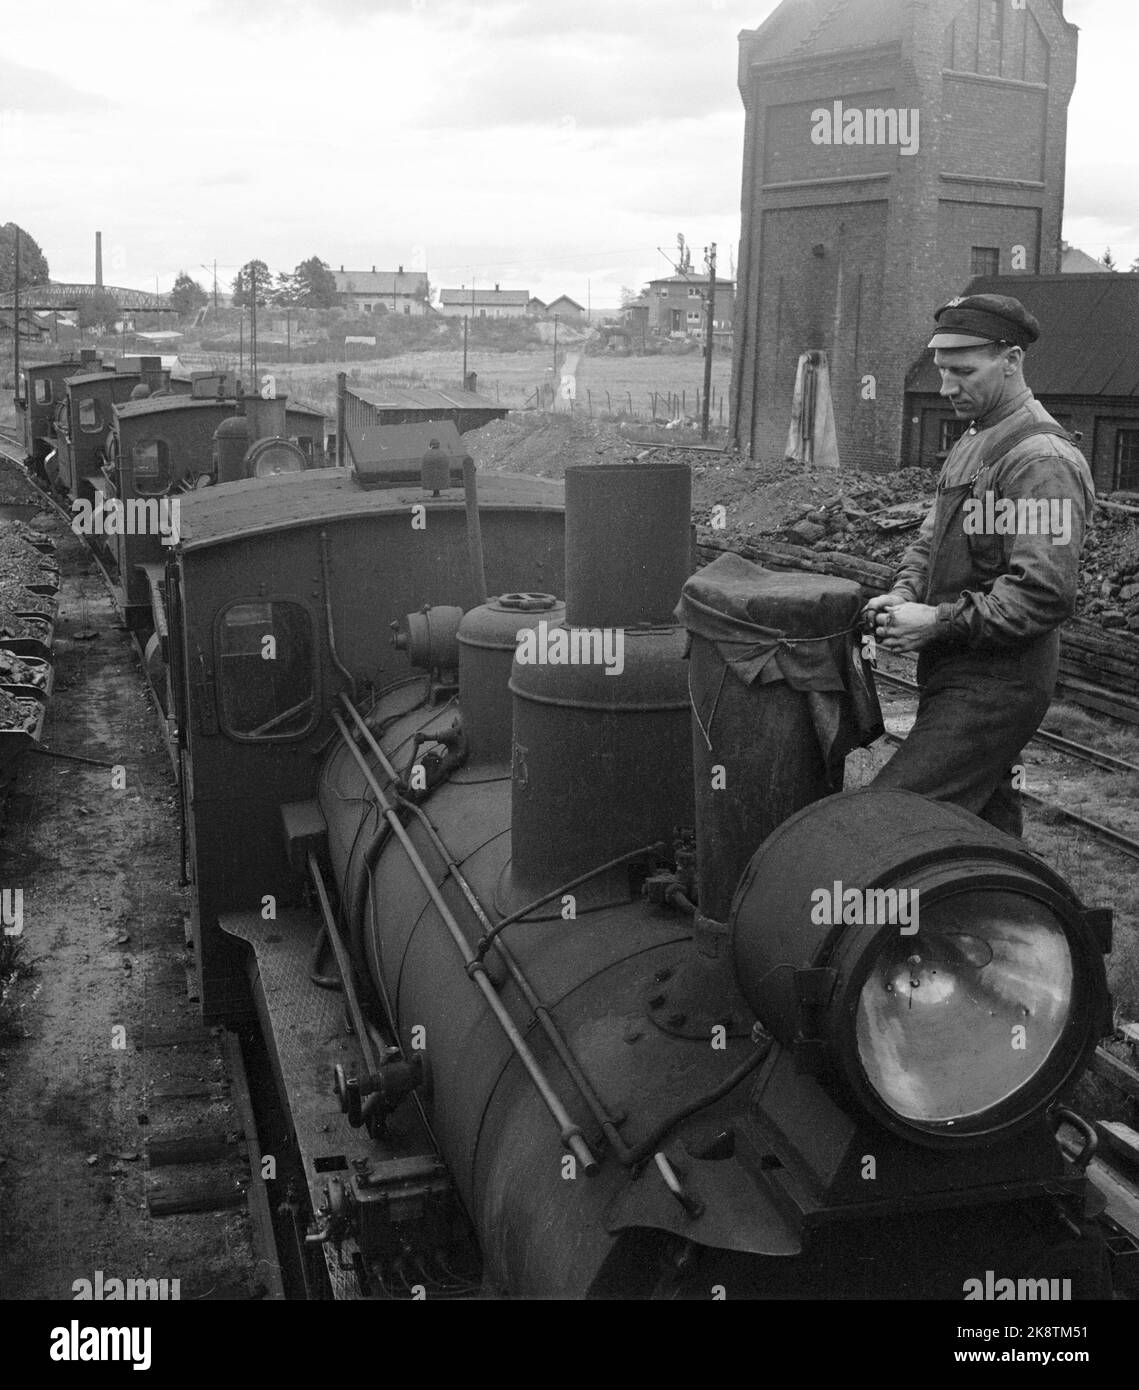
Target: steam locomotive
point(525, 848)
point(579, 974)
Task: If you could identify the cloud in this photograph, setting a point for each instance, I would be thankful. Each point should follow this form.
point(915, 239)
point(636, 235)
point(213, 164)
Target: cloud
point(35, 91)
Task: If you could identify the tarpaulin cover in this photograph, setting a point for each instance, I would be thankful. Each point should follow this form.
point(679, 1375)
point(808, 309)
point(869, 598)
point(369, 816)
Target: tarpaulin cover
point(798, 628)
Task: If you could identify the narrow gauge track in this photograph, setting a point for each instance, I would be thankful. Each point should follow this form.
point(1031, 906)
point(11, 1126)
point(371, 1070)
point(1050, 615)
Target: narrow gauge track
point(160, 1145)
point(1092, 756)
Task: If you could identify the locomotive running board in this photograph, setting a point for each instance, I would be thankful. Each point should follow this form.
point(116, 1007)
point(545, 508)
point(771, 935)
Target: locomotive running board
point(305, 1033)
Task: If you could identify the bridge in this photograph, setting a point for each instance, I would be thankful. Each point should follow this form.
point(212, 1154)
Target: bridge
point(57, 295)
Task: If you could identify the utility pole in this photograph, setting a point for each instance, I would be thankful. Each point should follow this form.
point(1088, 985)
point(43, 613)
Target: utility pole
point(16, 320)
point(466, 325)
point(554, 402)
point(710, 262)
point(253, 277)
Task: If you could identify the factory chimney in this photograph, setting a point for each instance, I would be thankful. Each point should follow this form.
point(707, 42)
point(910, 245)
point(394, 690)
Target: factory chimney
point(99, 260)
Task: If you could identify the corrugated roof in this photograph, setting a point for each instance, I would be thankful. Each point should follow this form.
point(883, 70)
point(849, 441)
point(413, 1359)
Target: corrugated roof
point(423, 398)
point(800, 28)
point(409, 282)
point(155, 405)
point(395, 445)
point(231, 511)
point(693, 279)
point(485, 297)
point(1089, 343)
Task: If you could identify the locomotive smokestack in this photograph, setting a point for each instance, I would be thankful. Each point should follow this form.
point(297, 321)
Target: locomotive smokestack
point(99, 260)
point(602, 758)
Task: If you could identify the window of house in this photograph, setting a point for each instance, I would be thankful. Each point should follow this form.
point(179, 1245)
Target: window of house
point(89, 414)
point(694, 316)
point(949, 432)
point(693, 291)
point(367, 308)
point(267, 675)
point(407, 310)
point(150, 466)
point(1127, 460)
point(42, 390)
point(986, 260)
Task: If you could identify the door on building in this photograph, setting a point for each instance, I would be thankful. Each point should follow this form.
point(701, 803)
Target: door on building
point(677, 321)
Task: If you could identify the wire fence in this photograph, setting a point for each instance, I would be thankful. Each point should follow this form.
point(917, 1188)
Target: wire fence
point(630, 405)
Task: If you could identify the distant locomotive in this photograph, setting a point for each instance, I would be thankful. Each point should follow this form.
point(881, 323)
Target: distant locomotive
point(615, 1030)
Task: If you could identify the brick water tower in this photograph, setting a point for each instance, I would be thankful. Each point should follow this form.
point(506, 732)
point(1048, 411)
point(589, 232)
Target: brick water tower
point(893, 149)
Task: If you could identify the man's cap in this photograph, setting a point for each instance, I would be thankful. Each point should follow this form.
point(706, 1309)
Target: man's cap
point(984, 318)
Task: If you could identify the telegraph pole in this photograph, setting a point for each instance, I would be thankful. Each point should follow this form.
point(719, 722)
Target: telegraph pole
point(554, 402)
point(16, 320)
point(710, 262)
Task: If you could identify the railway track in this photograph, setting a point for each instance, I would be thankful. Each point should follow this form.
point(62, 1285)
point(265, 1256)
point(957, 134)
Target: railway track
point(137, 1110)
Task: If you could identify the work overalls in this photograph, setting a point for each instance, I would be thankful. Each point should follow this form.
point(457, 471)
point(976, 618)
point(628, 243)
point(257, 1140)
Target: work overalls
point(979, 706)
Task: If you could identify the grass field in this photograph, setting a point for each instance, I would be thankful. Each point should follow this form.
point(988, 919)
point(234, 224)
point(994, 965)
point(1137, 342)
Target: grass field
point(605, 384)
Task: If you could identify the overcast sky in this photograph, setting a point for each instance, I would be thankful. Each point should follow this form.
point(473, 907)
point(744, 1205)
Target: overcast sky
point(545, 145)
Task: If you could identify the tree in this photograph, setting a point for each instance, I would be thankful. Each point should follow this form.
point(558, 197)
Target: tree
point(33, 265)
point(251, 282)
point(629, 296)
point(1107, 260)
point(1134, 267)
point(285, 293)
point(314, 284)
point(99, 309)
point(187, 295)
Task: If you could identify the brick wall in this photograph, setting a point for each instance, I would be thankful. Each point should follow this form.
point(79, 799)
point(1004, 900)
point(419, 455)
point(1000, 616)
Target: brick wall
point(851, 248)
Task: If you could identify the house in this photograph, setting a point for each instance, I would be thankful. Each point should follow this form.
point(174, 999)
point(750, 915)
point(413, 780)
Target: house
point(677, 305)
point(892, 153)
point(484, 304)
point(537, 307)
point(566, 309)
point(370, 291)
point(1073, 261)
point(1084, 369)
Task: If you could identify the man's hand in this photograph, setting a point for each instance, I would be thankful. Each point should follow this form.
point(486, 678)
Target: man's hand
point(903, 626)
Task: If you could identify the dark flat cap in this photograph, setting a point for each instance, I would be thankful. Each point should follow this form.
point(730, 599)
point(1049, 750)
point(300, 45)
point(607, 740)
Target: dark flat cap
point(984, 318)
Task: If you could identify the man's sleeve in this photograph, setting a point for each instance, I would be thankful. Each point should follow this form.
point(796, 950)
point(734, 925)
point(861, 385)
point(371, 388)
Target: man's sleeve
point(1053, 498)
point(911, 576)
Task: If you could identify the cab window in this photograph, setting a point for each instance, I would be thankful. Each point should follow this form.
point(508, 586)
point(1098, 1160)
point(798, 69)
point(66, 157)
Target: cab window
point(21, 388)
point(267, 685)
point(42, 390)
point(150, 467)
point(89, 415)
point(304, 444)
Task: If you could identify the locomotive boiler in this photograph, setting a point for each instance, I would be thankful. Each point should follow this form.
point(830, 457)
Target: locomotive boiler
point(642, 1003)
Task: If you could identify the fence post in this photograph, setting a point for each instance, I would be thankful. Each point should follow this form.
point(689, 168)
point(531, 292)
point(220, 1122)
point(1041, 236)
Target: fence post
point(608, 403)
point(684, 403)
point(654, 405)
point(629, 394)
point(589, 401)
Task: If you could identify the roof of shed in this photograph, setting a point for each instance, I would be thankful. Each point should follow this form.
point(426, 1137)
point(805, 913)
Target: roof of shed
point(233, 511)
point(424, 398)
point(1088, 343)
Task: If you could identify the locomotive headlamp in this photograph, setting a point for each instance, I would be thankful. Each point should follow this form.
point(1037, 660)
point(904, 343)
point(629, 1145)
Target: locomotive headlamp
point(930, 967)
point(268, 457)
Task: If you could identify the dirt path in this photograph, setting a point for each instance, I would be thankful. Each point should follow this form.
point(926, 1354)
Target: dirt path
point(97, 1072)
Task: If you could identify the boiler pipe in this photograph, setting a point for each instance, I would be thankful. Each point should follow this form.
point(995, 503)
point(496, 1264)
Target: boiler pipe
point(557, 1040)
point(571, 1134)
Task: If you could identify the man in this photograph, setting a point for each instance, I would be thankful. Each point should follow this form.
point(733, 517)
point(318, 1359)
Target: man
point(983, 590)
